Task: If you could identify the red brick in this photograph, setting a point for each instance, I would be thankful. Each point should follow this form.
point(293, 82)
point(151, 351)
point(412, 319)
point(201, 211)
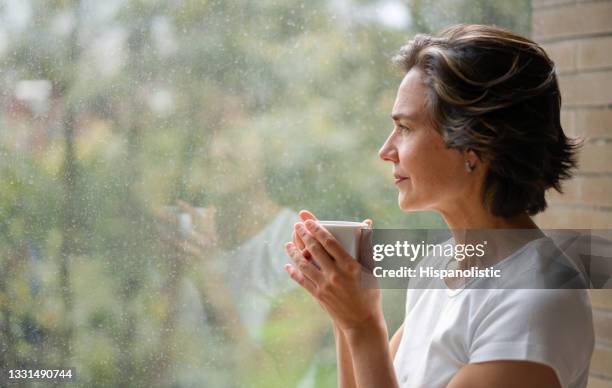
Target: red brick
point(584, 190)
point(596, 382)
point(563, 54)
point(601, 362)
point(602, 320)
point(565, 216)
point(586, 88)
point(601, 299)
point(595, 157)
point(571, 193)
point(568, 122)
point(594, 122)
point(547, 3)
point(594, 53)
point(572, 21)
point(595, 191)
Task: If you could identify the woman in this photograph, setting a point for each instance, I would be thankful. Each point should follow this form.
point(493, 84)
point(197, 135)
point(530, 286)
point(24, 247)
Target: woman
point(477, 138)
point(222, 295)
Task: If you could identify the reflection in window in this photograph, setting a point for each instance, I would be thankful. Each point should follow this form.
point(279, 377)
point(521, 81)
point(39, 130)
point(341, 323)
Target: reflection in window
point(248, 111)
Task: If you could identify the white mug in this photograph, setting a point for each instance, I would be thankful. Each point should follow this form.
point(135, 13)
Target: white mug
point(185, 223)
point(347, 233)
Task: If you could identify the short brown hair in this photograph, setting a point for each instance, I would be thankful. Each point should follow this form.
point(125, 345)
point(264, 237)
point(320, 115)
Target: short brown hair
point(496, 93)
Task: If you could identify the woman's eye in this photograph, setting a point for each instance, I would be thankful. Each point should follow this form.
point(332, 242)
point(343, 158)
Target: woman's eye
point(403, 128)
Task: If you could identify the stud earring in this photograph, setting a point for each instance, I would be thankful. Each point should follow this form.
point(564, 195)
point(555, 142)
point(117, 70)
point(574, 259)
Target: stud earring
point(468, 166)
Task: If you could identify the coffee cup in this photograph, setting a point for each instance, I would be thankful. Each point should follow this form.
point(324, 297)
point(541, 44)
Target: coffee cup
point(349, 234)
point(184, 221)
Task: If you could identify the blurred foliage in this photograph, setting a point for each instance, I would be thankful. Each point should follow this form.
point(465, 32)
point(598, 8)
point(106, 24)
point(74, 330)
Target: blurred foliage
point(218, 103)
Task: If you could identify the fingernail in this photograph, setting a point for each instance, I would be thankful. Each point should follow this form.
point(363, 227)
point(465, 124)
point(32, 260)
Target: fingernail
point(309, 224)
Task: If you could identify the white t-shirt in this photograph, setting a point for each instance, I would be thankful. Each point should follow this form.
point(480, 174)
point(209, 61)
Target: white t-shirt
point(253, 274)
point(446, 329)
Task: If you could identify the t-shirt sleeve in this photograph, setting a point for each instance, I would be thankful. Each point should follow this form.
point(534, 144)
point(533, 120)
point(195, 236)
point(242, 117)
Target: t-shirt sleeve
point(268, 256)
point(551, 327)
point(279, 280)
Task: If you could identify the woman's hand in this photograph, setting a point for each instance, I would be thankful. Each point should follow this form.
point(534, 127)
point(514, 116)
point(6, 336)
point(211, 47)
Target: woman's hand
point(337, 284)
point(306, 215)
point(199, 241)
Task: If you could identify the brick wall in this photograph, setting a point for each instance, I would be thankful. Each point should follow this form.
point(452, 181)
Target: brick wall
point(578, 37)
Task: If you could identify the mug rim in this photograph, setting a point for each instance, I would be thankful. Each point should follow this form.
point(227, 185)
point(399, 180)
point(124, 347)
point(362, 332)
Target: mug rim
point(342, 223)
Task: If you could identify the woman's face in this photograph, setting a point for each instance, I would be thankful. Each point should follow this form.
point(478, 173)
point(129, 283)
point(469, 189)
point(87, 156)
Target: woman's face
point(429, 176)
point(237, 162)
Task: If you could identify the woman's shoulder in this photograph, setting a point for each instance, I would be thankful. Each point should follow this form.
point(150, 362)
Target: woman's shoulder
point(541, 301)
point(540, 264)
point(553, 327)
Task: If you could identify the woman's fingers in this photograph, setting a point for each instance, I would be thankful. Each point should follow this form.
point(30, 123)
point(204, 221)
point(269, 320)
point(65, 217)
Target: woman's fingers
point(327, 241)
point(300, 279)
point(300, 244)
point(166, 216)
point(305, 266)
point(188, 208)
point(204, 242)
point(316, 250)
point(297, 240)
point(192, 249)
point(205, 219)
point(306, 215)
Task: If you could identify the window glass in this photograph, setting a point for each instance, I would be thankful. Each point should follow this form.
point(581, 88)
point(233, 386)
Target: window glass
point(112, 111)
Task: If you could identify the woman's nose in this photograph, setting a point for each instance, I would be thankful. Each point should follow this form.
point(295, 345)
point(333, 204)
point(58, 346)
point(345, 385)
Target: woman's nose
point(388, 152)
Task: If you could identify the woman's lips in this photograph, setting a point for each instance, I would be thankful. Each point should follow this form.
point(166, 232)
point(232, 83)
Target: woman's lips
point(399, 179)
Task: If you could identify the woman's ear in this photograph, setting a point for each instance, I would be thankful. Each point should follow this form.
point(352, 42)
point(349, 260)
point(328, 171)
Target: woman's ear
point(472, 157)
point(472, 161)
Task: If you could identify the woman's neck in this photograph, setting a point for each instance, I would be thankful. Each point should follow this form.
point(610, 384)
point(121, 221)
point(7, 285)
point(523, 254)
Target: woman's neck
point(473, 224)
point(467, 216)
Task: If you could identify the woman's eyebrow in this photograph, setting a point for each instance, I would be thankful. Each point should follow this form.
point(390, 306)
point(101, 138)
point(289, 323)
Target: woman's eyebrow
point(399, 116)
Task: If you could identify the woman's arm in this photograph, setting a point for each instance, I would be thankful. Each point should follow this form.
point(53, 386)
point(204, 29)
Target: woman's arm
point(372, 362)
point(505, 374)
point(346, 376)
point(336, 283)
point(395, 341)
point(216, 294)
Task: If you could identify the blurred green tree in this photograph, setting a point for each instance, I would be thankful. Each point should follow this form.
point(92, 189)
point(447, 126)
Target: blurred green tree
point(108, 112)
